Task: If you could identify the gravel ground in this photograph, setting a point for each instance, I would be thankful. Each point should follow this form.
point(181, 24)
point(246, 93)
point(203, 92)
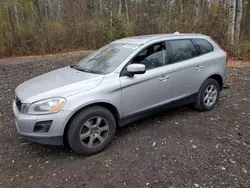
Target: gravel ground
point(176, 148)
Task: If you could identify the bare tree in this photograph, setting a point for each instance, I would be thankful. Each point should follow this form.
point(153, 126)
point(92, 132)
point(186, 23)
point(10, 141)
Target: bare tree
point(239, 10)
point(181, 7)
point(111, 13)
point(169, 5)
point(197, 12)
point(127, 13)
point(209, 3)
point(225, 4)
point(120, 8)
point(50, 8)
point(58, 25)
point(58, 10)
point(231, 21)
point(16, 13)
point(101, 7)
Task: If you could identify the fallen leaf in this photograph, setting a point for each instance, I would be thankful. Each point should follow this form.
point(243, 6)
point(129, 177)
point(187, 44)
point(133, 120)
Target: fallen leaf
point(154, 144)
point(244, 170)
point(233, 162)
point(147, 183)
point(137, 149)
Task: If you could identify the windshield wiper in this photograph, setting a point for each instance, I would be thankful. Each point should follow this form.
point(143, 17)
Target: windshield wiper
point(73, 66)
point(77, 67)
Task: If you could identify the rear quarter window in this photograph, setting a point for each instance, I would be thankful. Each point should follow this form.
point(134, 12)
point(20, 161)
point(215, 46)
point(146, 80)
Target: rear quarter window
point(203, 45)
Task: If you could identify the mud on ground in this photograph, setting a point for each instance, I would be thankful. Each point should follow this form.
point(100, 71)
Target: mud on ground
point(176, 148)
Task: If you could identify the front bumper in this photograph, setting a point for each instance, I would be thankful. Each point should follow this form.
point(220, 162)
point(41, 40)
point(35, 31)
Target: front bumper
point(25, 125)
point(53, 140)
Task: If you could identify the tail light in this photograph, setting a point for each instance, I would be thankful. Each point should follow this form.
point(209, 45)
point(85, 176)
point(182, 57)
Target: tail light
point(227, 54)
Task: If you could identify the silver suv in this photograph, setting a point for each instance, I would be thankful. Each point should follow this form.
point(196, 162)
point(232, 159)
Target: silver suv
point(83, 104)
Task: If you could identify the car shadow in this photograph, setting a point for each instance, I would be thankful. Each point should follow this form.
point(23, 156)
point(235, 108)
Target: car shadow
point(64, 151)
point(159, 116)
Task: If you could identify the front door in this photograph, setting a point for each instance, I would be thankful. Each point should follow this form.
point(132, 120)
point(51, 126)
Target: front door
point(146, 91)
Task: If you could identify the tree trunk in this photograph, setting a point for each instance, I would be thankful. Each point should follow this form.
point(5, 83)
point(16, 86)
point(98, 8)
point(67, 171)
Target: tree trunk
point(126, 6)
point(39, 12)
point(101, 7)
point(111, 13)
point(120, 8)
point(16, 13)
point(169, 14)
point(58, 10)
point(45, 10)
point(50, 9)
point(197, 12)
point(231, 22)
point(225, 4)
point(181, 6)
point(209, 3)
point(239, 10)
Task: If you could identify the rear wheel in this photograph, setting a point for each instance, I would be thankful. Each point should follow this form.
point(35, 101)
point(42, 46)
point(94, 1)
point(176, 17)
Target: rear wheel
point(91, 130)
point(208, 95)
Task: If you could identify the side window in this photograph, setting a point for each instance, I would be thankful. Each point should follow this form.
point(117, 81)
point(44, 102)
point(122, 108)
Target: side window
point(153, 56)
point(182, 50)
point(204, 45)
point(143, 53)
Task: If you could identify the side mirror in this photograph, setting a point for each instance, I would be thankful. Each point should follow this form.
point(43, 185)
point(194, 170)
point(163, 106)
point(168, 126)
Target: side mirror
point(136, 69)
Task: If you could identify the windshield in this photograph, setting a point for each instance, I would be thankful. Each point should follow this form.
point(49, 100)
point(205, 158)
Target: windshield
point(106, 59)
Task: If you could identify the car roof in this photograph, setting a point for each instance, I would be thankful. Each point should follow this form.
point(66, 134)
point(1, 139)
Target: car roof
point(140, 40)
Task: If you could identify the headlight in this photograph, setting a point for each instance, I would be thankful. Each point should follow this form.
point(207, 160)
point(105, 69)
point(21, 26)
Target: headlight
point(47, 106)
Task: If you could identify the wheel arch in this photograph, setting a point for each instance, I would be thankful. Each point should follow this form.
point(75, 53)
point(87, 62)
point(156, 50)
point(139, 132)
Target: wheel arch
point(106, 105)
point(218, 78)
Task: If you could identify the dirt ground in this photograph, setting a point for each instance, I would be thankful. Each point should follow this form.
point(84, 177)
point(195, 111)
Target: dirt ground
point(176, 148)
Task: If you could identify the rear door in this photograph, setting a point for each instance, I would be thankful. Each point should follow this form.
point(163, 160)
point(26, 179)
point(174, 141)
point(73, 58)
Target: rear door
point(187, 68)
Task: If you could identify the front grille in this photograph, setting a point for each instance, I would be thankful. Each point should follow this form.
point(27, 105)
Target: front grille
point(18, 104)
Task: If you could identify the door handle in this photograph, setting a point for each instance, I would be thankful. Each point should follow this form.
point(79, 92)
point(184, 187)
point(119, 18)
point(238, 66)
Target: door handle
point(199, 68)
point(164, 78)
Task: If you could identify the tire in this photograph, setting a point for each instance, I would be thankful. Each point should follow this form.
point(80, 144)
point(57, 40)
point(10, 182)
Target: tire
point(92, 124)
point(203, 102)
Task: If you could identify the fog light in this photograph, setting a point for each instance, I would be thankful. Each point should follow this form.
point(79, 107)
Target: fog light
point(42, 126)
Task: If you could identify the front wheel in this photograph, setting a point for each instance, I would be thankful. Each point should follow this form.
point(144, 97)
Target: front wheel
point(91, 130)
point(208, 95)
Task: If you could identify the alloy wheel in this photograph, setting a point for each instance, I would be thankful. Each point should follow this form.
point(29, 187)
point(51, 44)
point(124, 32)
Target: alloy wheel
point(210, 95)
point(94, 132)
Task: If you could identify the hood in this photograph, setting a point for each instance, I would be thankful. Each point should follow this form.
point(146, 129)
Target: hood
point(59, 83)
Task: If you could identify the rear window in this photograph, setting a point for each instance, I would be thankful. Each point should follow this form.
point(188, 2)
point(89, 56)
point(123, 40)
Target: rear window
point(204, 45)
point(182, 50)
